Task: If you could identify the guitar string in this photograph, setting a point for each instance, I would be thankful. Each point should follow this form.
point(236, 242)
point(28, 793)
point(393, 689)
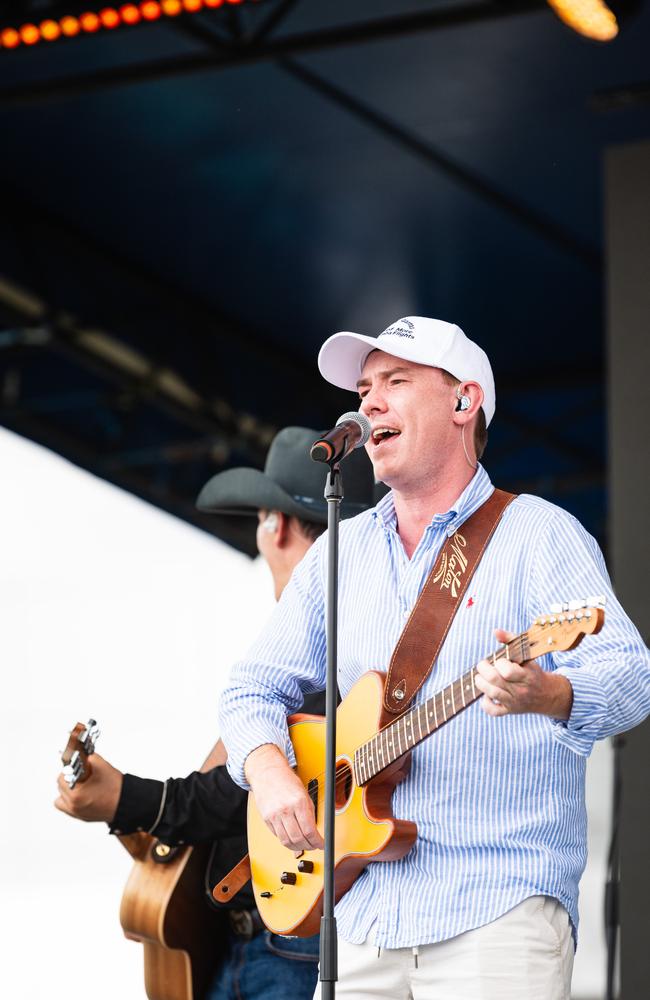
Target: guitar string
point(499, 654)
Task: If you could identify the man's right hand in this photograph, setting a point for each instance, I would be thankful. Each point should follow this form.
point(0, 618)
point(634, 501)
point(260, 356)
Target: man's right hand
point(94, 800)
point(282, 800)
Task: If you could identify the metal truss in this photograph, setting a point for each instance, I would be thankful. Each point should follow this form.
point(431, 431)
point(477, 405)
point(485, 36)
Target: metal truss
point(210, 428)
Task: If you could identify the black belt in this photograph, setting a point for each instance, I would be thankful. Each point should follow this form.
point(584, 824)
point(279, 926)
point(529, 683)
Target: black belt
point(245, 923)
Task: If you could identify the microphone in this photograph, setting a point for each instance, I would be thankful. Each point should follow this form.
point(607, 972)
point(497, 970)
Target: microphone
point(352, 431)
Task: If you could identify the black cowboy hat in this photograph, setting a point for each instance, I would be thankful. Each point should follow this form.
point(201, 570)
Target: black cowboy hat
point(291, 482)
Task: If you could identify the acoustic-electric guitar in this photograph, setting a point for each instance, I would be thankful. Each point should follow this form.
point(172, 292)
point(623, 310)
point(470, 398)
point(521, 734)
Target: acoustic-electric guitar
point(369, 764)
point(163, 903)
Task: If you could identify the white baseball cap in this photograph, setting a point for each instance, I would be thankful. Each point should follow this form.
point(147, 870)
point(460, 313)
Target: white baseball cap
point(414, 338)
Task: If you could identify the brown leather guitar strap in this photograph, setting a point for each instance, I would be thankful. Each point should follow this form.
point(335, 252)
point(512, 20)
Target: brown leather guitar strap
point(424, 633)
point(231, 883)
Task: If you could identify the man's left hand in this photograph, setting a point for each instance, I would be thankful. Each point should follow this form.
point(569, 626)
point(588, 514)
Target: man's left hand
point(96, 799)
point(511, 688)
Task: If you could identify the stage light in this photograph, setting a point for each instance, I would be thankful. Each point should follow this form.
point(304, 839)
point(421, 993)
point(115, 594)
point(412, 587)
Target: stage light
point(89, 22)
point(50, 31)
point(600, 20)
point(9, 38)
point(69, 26)
point(592, 18)
point(150, 10)
point(130, 13)
point(29, 34)
point(109, 17)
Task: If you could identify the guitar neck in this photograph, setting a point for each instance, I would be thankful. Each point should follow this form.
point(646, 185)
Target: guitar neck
point(412, 728)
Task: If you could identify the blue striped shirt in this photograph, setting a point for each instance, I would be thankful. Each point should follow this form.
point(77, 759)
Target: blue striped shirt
point(499, 802)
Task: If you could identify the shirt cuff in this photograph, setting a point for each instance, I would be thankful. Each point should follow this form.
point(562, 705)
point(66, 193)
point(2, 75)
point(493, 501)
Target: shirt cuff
point(138, 805)
point(588, 712)
point(237, 756)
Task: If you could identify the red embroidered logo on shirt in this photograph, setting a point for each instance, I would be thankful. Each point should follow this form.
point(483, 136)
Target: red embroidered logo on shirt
point(470, 603)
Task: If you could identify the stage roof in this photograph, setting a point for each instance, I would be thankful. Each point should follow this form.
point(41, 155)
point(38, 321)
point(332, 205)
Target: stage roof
point(191, 205)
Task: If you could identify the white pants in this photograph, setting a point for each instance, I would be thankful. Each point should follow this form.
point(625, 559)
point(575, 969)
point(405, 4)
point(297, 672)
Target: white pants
point(527, 954)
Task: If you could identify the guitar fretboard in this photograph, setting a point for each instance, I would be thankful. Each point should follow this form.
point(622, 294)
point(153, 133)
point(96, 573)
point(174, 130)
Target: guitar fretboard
point(391, 743)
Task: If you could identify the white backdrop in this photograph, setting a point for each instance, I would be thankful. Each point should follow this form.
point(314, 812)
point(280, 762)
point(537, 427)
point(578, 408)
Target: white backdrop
point(114, 609)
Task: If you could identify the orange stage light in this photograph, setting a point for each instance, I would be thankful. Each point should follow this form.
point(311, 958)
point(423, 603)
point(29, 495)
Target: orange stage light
point(130, 13)
point(150, 10)
point(591, 18)
point(30, 34)
point(9, 38)
point(109, 17)
point(89, 22)
point(50, 31)
point(69, 26)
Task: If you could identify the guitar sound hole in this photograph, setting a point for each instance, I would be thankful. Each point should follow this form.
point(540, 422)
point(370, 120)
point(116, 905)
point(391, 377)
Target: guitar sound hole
point(343, 783)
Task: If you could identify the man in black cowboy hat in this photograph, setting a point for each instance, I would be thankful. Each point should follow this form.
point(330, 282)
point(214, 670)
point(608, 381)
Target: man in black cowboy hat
point(207, 806)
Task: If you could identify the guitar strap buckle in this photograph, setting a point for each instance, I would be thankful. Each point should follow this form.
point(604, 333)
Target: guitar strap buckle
point(245, 924)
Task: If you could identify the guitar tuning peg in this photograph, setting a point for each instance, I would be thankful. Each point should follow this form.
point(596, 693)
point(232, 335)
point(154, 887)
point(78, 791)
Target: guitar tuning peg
point(598, 601)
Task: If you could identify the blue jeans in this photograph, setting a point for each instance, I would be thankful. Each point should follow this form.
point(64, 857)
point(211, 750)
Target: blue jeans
point(268, 967)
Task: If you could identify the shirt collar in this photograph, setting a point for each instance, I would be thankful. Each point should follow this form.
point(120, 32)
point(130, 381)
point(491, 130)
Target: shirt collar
point(475, 493)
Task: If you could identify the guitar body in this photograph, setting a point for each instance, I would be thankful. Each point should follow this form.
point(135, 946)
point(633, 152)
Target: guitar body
point(163, 903)
point(365, 829)
point(162, 907)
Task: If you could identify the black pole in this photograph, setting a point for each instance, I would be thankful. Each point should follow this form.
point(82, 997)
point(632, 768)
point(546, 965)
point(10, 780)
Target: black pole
point(612, 885)
point(328, 939)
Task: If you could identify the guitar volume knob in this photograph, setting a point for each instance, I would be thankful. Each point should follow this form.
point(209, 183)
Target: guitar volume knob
point(288, 878)
point(306, 866)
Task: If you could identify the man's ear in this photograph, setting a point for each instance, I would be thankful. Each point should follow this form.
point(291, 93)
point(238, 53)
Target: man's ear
point(469, 399)
point(282, 528)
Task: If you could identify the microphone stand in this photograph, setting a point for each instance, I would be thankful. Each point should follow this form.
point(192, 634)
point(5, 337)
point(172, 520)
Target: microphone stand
point(612, 885)
point(328, 938)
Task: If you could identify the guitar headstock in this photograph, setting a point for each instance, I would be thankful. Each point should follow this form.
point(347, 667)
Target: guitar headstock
point(566, 625)
point(80, 746)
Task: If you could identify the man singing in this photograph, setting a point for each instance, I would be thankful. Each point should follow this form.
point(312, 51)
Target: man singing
point(484, 905)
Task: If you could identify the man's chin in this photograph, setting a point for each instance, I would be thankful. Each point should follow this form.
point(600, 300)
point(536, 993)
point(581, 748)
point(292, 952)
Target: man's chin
point(383, 473)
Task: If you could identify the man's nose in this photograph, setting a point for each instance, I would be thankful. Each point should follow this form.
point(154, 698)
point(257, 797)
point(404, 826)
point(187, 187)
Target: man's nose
point(373, 401)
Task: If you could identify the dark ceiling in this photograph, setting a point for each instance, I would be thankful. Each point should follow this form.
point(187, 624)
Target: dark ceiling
point(189, 207)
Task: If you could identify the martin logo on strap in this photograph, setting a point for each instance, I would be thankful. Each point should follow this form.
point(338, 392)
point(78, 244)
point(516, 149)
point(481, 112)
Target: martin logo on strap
point(403, 328)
